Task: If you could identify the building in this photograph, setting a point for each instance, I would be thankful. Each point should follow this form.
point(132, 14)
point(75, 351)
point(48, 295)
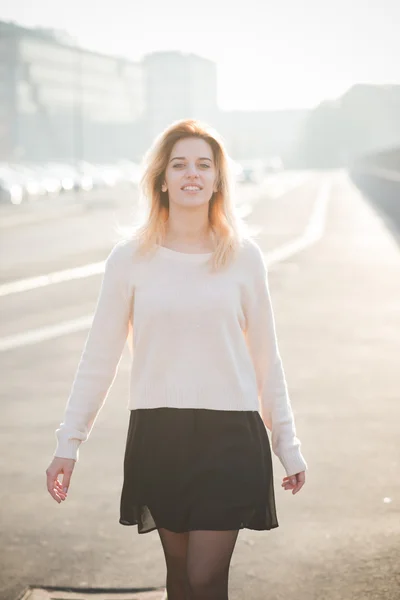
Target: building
point(260, 134)
point(178, 85)
point(61, 102)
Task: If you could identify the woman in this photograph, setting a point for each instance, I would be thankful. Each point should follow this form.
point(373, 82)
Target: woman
point(189, 290)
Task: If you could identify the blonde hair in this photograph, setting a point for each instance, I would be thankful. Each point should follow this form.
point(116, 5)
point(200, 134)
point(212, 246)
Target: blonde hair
point(227, 228)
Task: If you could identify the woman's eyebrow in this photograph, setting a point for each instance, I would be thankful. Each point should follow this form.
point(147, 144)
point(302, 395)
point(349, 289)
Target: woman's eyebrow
point(183, 158)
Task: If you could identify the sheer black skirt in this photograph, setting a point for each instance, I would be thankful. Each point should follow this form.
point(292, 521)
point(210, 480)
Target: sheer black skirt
point(188, 469)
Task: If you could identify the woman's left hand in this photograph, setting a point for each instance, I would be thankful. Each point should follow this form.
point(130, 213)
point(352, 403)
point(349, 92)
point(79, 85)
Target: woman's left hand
point(294, 482)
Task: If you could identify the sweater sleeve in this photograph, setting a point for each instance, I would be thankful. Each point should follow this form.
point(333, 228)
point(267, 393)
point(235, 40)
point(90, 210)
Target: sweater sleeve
point(100, 358)
point(261, 338)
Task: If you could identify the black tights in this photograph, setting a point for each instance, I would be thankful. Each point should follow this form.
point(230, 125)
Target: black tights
point(198, 563)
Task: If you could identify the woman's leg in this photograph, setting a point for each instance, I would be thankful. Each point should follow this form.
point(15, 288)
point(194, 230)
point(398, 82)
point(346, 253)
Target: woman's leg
point(175, 547)
point(208, 559)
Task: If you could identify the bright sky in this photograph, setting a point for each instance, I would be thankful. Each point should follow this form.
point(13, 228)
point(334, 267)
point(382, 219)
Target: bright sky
point(270, 55)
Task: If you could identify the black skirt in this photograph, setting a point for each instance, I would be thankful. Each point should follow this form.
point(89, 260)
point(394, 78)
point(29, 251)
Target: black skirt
point(192, 468)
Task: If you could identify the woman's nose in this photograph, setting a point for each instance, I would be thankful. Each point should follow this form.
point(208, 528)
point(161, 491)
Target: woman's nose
point(192, 170)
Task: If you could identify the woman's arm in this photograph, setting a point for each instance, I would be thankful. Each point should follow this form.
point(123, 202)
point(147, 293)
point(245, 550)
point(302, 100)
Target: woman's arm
point(100, 357)
point(261, 338)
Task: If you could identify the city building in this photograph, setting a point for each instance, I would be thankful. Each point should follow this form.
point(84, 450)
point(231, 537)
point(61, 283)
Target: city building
point(61, 102)
point(178, 85)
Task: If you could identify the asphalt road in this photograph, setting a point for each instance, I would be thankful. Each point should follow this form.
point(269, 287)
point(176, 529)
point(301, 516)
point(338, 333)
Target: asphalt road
point(335, 284)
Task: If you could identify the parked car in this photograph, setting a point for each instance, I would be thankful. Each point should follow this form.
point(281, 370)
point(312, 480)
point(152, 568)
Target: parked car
point(12, 189)
point(31, 180)
point(252, 171)
point(130, 171)
point(274, 165)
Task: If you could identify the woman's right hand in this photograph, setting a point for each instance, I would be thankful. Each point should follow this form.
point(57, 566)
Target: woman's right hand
point(58, 490)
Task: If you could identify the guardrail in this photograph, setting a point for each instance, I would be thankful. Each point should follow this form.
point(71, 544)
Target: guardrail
point(381, 186)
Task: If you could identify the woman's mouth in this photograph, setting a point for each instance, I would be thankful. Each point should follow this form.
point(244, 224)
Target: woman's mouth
point(191, 189)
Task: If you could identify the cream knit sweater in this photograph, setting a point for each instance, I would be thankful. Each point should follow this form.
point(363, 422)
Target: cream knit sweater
point(198, 340)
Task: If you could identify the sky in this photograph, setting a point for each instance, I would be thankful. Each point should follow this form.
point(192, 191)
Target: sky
point(269, 55)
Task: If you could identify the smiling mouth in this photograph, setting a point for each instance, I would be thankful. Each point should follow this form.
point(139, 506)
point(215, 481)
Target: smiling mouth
point(191, 189)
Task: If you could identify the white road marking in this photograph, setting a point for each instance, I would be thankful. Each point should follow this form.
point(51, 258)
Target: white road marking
point(312, 233)
point(45, 333)
point(32, 283)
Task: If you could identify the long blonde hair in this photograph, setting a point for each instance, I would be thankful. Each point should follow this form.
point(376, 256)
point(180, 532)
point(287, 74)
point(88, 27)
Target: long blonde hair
point(227, 228)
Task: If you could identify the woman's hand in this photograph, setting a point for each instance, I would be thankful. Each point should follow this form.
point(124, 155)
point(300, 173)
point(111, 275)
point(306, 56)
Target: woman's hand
point(56, 489)
point(294, 482)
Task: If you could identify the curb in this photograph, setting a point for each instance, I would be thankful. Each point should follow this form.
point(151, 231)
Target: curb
point(72, 593)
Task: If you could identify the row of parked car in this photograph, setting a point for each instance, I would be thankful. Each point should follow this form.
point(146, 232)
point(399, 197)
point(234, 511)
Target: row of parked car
point(24, 183)
point(255, 171)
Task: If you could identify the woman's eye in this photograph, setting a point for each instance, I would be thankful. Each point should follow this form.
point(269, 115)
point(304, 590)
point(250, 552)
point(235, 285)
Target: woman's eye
point(182, 165)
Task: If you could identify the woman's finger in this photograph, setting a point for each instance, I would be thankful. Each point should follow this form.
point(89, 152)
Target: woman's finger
point(52, 487)
point(294, 482)
point(53, 493)
point(62, 467)
point(59, 485)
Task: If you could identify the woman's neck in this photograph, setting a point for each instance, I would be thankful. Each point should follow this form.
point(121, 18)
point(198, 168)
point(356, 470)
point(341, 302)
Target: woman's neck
point(197, 240)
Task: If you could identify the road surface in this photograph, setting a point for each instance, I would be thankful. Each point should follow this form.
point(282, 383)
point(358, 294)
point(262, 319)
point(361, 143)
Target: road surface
point(335, 285)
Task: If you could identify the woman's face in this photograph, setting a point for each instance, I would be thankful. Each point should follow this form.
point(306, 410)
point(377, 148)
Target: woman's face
point(191, 163)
